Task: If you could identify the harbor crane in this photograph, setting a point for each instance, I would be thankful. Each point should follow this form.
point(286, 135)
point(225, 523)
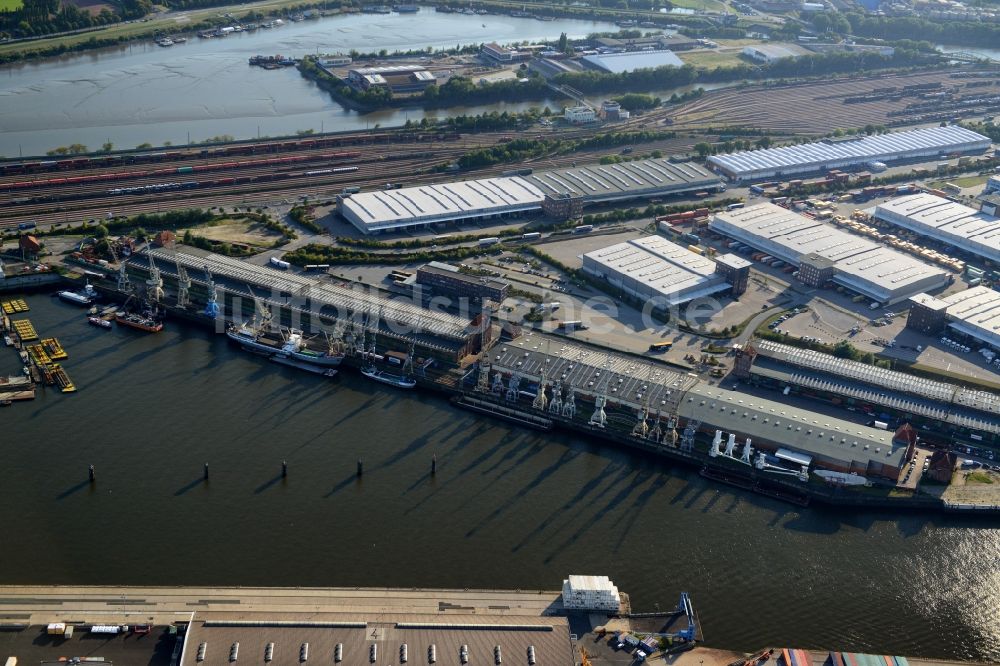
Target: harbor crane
point(183, 284)
point(212, 306)
point(600, 418)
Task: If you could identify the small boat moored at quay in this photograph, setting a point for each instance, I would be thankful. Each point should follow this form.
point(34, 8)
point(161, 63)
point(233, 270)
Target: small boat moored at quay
point(86, 296)
point(284, 359)
point(99, 322)
point(399, 381)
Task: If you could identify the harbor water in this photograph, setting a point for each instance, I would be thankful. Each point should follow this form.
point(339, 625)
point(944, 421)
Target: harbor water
point(507, 508)
point(143, 93)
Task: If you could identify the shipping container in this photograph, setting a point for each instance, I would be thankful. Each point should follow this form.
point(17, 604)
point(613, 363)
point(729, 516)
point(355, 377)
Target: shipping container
point(696, 249)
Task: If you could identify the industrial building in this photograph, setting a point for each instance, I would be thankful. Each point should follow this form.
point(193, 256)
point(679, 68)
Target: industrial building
point(391, 210)
point(876, 272)
point(568, 372)
point(976, 313)
point(399, 323)
point(735, 270)
point(446, 280)
point(595, 593)
point(579, 115)
point(944, 220)
point(950, 410)
point(654, 270)
point(397, 78)
point(926, 142)
point(620, 63)
point(768, 53)
point(825, 441)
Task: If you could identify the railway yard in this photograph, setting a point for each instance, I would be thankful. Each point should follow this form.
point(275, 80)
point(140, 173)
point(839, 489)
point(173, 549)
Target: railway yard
point(818, 108)
point(260, 173)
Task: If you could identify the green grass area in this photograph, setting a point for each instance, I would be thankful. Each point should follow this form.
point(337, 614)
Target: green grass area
point(964, 181)
point(10, 5)
point(978, 477)
point(706, 5)
point(710, 59)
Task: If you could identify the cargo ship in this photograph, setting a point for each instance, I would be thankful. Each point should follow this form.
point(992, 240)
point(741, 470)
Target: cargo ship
point(294, 347)
point(147, 321)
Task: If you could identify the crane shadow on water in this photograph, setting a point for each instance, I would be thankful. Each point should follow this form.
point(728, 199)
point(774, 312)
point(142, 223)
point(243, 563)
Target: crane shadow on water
point(567, 457)
point(72, 490)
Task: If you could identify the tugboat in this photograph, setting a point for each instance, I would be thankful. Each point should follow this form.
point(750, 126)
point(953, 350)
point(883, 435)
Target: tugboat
point(85, 297)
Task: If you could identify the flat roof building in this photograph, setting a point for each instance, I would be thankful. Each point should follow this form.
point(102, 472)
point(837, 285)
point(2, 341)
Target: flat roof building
point(654, 269)
point(944, 220)
point(976, 312)
point(619, 63)
point(925, 142)
point(769, 53)
point(917, 399)
point(390, 210)
point(447, 280)
point(831, 443)
point(861, 265)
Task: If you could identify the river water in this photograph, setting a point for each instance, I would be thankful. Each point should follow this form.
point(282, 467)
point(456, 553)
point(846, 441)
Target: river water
point(204, 88)
point(508, 508)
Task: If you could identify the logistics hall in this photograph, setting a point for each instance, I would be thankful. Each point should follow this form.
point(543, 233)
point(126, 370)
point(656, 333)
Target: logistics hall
point(944, 220)
point(861, 265)
point(654, 269)
point(926, 142)
point(470, 200)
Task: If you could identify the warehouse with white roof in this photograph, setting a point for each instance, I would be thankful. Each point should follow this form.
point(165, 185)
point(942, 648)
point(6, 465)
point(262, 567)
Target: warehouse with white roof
point(619, 63)
point(861, 265)
point(944, 220)
point(654, 269)
point(925, 142)
point(413, 207)
point(975, 312)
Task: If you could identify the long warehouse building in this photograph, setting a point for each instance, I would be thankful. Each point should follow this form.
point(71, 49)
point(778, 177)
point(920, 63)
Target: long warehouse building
point(470, 200)
point(944, 220)
point(571, 372)
point(881, 274)
point(974, 313)
point(926, 142)
point(654, 269)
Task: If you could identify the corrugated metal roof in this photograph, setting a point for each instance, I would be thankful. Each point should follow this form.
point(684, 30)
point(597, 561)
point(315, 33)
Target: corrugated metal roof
point(633, 60)
point(879, 147)
point(798, 429)
point(942, 219)
point(662, 267)
point(861, 264)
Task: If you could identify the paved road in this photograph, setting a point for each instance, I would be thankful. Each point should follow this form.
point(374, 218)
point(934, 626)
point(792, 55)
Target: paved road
point(127, 604)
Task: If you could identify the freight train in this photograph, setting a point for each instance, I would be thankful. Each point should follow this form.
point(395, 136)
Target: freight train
point(161, 187)
point(162, 173)
point(123, 159)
